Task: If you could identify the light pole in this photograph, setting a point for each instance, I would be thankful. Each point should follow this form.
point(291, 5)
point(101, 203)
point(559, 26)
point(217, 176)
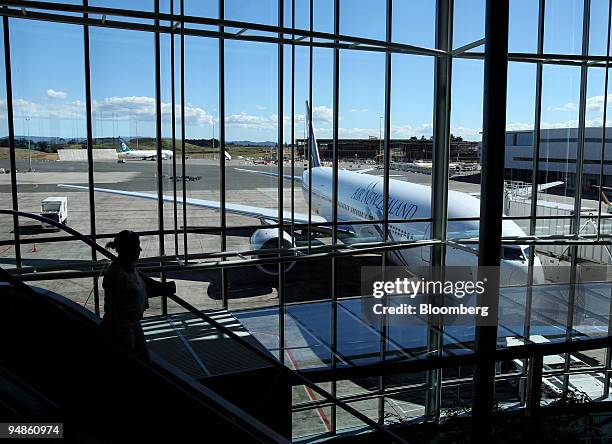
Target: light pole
point(136, 121)
point(213, 139)
point(380, 119)
point(27, 119)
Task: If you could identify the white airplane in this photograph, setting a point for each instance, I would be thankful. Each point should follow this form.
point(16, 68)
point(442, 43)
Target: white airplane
point(360, 197)
point(126, 152)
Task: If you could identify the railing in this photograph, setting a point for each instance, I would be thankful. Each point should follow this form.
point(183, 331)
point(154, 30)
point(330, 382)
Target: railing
point(195, 391)
point(295, 376)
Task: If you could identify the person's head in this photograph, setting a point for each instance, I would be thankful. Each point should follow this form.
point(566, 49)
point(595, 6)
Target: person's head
point(127, 245)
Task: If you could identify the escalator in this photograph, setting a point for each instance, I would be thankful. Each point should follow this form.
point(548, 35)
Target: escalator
point(210, 376)
point(56, 365)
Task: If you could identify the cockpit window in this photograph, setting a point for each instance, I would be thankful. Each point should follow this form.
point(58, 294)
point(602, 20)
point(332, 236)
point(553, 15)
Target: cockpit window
point(513, 254)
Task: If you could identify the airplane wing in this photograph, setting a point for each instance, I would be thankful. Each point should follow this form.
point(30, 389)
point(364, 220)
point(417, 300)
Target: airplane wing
point(271, 174)
point(545, 186)
point(232, 208)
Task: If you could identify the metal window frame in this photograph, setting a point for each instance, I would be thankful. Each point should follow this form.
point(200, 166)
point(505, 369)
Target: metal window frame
point(491, 205)
point(11, 137)
point(90, 164)
point(282, 35)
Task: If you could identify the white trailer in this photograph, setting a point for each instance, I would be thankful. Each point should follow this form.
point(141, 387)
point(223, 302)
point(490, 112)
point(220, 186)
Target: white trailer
point(56, 209)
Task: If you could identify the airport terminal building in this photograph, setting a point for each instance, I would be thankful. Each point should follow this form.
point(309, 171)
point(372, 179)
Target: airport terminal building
point(166, 276)
point(559, 150)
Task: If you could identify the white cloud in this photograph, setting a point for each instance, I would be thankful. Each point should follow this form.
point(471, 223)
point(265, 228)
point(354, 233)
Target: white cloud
point(52, 94)
point(358, 110)
point(569, 106)
point(406, 131)
point(24, 108)
point(592, 123)
point(243, 120)
point(595, 103)
point(466, 133)
point(260, 107)
point(358, 133)
point(518, 126)
point(142, 108)
point(108, 109)
point(321, 114)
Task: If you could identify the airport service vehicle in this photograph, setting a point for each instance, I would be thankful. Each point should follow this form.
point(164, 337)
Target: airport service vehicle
point(126, 152)
point(360, 198)
point(54, 208)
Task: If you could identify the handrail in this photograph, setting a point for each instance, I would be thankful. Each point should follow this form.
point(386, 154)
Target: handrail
point(266, 357)
point(230, 412)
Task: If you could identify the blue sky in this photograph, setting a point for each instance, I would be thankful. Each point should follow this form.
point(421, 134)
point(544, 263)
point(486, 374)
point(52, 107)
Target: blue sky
point(48, 81)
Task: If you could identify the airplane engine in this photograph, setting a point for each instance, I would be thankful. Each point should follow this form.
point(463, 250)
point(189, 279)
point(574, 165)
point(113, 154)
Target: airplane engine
point(265, 239)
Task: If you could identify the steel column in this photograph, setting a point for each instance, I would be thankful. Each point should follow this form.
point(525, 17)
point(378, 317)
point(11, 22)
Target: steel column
point(173, 119)
point(222, 218)
point(11, 138)
point(534, 183)
point(335, 135)
point(576, 222)
point(604, 122)
point(383, 329)
point(183, 157)
point(309, 111)
point(608, 357)
point(439, 195)
point(491, 204)
point(280, 184)
point(158, 136)
point(90, 165)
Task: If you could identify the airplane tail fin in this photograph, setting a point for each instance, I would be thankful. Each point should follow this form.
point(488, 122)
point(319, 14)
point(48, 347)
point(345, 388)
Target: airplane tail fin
point(123, 146)
point(312, 140)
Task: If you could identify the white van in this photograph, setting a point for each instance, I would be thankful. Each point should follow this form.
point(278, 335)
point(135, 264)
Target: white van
point(56, 209)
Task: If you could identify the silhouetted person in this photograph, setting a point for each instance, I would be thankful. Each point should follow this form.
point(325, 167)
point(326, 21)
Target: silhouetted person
point(126, 294)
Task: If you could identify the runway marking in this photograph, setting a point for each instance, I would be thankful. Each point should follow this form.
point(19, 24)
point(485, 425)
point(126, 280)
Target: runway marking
point(309, 392)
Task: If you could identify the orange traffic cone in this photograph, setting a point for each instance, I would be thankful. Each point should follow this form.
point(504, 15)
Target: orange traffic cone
point(34, 250)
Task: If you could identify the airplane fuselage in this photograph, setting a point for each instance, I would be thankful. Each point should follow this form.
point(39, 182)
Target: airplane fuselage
point(360, 197)
point(145, 154)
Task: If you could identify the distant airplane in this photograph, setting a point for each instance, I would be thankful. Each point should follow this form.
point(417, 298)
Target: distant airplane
point(127, 152)
point(360, 197)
